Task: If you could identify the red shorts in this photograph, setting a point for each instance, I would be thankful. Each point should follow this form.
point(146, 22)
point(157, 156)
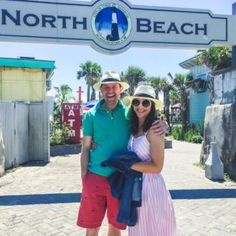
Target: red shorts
point(96, 200)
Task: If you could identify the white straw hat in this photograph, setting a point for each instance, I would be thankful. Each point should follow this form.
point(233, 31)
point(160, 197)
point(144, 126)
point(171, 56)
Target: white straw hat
point(110, 77)
point(144, 92)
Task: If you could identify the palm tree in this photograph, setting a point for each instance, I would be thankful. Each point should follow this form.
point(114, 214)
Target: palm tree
point(133, 76)
point(90, 72)
point(166, 87)
point(174, 96)
point(63, 94)
point(181, 82)
point(215, 58)
point(156, 84)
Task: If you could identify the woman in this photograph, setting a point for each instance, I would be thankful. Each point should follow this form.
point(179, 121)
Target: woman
point(156, 216)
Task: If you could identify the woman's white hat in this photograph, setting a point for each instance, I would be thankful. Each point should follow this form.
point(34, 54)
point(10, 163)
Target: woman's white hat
point(110, 77)
point(144, 92)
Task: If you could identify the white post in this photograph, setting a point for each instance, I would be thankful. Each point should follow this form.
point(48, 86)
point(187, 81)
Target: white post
point(214, 169)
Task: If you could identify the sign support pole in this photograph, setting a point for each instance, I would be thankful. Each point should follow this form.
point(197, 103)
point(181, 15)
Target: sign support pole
point(79, 94)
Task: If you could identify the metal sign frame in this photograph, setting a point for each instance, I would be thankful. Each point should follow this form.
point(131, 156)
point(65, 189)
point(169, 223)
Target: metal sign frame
point(113, 26)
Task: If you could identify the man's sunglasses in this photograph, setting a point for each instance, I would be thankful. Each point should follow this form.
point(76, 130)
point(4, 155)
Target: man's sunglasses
point(145, 103)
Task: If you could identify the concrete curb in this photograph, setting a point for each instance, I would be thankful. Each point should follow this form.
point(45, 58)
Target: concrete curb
point(65, 149)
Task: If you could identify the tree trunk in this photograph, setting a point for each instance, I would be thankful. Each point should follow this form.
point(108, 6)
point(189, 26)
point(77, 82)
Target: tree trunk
point(184, 105)
point(88, 92)
point(93, 95)
point(167, 106)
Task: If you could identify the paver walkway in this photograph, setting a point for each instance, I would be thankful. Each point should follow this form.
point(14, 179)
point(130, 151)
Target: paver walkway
point(44, 199)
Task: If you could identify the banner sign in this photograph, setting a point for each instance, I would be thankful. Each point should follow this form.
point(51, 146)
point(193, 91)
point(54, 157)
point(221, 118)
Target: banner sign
point(71, 116)
point(112, 26)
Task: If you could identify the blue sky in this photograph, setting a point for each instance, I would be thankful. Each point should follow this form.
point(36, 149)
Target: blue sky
point(154, 61)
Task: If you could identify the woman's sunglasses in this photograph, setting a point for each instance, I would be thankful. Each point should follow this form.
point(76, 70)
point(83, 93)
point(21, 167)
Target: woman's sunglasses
point(145, 103)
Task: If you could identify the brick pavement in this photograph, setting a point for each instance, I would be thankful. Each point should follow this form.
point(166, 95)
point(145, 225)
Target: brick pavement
point(44, 199)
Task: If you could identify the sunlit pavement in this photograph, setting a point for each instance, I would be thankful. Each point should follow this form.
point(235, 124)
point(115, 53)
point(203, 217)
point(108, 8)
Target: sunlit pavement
point(38, 199)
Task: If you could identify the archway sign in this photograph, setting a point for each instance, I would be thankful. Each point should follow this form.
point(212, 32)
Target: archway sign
point(112, 26)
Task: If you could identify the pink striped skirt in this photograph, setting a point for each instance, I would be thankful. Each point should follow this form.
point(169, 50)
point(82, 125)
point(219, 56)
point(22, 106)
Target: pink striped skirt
point(156, 216)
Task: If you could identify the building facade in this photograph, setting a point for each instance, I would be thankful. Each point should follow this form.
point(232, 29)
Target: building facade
point(25, 79)
point(199, 96)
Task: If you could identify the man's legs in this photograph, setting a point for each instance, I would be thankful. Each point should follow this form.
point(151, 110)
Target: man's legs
point(93, 203)
point(112, 212)
point(96, 198)
point(112, 231)
point(92, 232)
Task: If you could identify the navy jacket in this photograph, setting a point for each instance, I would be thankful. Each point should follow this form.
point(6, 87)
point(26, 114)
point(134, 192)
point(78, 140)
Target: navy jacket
point(126, 185)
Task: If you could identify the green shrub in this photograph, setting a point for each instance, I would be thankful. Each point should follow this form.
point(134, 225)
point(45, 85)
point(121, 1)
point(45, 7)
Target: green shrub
point(201, 129)
point(177, 133)
point(193, 133)
point(188, 135)
point(59, 134)
point(196, 139)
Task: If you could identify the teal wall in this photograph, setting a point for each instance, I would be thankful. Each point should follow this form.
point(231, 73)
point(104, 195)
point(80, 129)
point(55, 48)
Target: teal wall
point(197, 106)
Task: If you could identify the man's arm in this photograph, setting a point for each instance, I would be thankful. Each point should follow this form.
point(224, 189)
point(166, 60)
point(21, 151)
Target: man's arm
point(160, 127)
point(84, 157)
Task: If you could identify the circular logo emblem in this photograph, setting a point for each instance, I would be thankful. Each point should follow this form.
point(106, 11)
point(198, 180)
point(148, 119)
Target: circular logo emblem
point(111, 24)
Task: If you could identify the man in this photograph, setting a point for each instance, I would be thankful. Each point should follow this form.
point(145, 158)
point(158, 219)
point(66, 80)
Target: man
point(107, 126)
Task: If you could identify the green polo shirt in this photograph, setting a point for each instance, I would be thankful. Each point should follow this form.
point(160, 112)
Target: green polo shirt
point(109, 130)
